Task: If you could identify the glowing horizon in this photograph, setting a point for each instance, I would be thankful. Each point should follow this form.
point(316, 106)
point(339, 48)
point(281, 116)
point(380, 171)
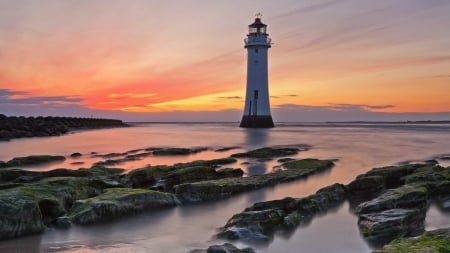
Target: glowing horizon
point(147, 56)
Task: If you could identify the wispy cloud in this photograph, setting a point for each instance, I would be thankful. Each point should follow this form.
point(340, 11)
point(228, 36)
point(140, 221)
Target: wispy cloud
point(231, 97)
point(309, 8)
point(21, 98)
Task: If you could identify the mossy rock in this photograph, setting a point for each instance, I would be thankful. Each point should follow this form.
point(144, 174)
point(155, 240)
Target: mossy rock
point(267, 152)
point(224, 248)
point(383, 227)
point(27, 209)
point(407, 196)
point(259, 222)
point(177, 151)
point(436, 241)
point(394, 176)
point(118, 202)
point(25, 176)
point(195, 174)
point(31, 160)
point(213, 189)
point(148, 176)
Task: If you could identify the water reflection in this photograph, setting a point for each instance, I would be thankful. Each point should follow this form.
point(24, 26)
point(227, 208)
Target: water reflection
point(256, 138)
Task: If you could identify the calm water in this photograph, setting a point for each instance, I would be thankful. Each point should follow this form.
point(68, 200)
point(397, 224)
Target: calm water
point(359, 147)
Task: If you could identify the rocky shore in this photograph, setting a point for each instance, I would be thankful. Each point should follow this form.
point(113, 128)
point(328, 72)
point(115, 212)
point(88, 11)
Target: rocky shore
point(19, 127)
point(389, 202)
point(31, 201)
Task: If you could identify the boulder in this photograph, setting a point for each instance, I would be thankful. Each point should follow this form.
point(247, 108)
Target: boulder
point(407, 196)
point(259, 222)
point(267, 152)
point(27, 209)
point(118, 202)
point(177, 151)
point(436, 241)
point(221, 188)
point(224, 248)
point(31, 160)
point(150, 175)
point(76, 155)
point(381, 228)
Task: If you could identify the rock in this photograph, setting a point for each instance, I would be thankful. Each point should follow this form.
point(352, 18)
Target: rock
point(148, 176)
point(259, 222)
point(430, 173)
point(19, 127)
point(77, 163)
point(224, 248)
point(118, 202)
point(32, 160)
point(63, 222)
point(436, 241)
point(383, 227)
point(27, 209)
point(177, 151)
point(393, 175)
point(214, 189)
point(267, 153)
point(227, 248)
point(407, 196)
point(19, 215)
point(76, 155)
point(196, 174)
point(226, 149)
point(283, 160)
point(25, 176)
point(365, 188)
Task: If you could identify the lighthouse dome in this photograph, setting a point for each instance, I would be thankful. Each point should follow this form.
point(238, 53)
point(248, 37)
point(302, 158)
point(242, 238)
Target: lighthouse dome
point(257, 27)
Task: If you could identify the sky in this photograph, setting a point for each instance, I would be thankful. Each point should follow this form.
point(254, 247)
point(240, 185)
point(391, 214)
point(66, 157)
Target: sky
point(184, 60)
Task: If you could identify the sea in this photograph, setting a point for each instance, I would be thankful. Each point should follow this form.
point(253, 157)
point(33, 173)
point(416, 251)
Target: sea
point(356, 148)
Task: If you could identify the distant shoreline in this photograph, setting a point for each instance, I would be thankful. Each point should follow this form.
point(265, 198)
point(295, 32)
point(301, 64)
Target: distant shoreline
point(13, 127)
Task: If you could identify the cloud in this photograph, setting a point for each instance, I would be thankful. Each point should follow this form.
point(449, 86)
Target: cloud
point(358, 107)
point(441, 76)
point(288, 95)
point(347, 112)
point(231, 97)
point(310, 8)
point(21, 98)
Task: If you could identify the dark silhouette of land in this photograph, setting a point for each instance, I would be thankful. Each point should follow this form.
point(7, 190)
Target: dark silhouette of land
point(19, 127)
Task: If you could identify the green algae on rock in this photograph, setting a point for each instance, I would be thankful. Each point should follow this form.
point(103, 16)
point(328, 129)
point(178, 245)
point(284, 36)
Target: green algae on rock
point(267, 152)
point(148, 176)
point(380, 228)
point(177, 151)
point(31, 160)
point(116, 202)
point(27, 209)
point(224, 248)
point(259, 222)
point(436, 241)
point(213, 189)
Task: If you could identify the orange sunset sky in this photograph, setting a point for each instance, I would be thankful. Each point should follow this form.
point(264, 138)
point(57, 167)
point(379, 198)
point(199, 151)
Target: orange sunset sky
point(184, 60)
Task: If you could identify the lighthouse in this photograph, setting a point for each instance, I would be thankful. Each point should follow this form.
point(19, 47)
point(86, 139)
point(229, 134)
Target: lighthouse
point(257, 106)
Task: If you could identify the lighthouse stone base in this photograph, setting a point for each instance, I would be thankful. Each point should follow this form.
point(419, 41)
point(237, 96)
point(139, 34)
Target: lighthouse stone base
point(260, 121)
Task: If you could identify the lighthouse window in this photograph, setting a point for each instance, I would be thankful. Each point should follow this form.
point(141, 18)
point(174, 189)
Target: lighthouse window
point(256, 50)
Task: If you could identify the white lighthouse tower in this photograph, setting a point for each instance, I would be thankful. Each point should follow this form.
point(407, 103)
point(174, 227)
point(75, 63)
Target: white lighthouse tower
point(257, 106)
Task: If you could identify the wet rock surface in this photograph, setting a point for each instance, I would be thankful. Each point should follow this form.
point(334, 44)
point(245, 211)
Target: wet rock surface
point(224, 248)
point(116, 202)
point(436, 241)
point(214, 189)
point(31, 160)
point(258, 223)
point(391, 202)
